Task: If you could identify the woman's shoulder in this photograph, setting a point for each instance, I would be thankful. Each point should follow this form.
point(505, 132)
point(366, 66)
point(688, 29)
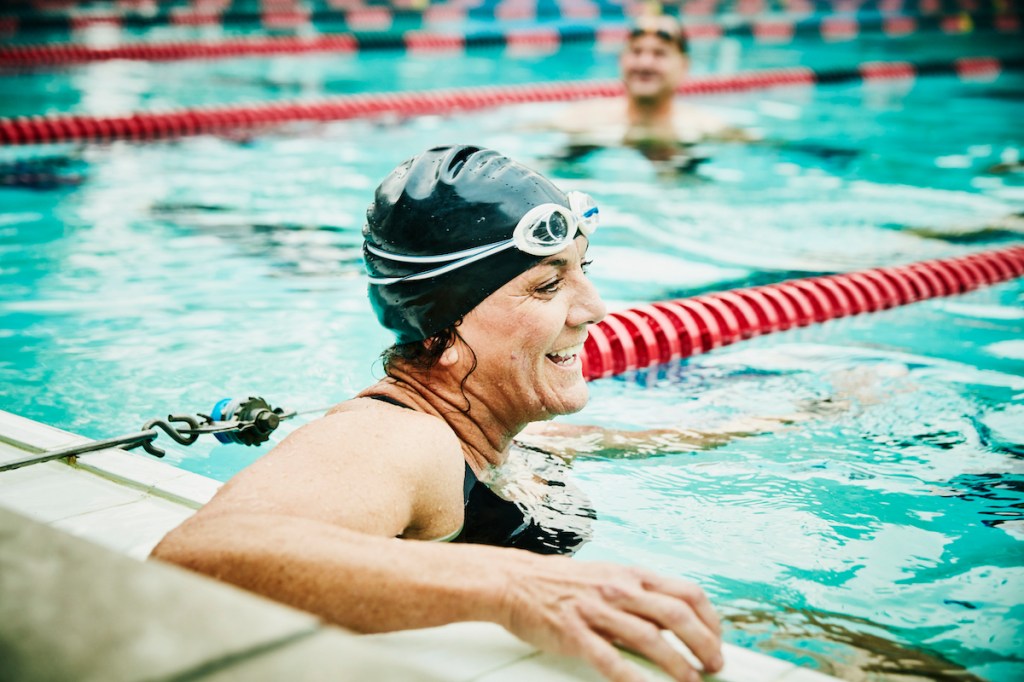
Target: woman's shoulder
point(417, 456)
point(385, 425)
point(384, 471)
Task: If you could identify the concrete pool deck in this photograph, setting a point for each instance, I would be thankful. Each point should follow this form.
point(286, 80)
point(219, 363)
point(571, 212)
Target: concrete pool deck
point(77, 601)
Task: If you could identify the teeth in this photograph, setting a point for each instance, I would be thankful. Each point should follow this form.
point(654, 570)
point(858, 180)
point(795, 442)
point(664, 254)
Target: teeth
point(566, 353)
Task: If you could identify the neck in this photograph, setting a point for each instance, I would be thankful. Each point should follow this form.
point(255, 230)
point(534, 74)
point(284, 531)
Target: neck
point(650, 113)
point(485, 434)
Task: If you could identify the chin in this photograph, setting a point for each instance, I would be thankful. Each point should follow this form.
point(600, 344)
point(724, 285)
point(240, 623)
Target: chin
point(570, 401)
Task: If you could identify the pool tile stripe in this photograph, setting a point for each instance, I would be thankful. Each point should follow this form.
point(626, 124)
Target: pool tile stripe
point(371, 26)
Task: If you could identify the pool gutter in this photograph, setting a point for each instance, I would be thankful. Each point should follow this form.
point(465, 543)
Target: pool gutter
point(77, 599)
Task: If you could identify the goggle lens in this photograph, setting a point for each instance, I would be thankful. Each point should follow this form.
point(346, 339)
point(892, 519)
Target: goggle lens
point(548, 228)
point(554, 229)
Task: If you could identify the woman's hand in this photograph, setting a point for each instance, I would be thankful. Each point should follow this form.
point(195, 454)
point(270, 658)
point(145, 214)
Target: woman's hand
point(586, 609)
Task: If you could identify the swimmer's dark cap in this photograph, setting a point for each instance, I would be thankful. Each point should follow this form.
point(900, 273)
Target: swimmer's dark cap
point(443, 201)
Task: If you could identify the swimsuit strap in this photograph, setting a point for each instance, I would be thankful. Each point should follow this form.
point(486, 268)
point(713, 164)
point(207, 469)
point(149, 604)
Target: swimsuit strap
point(387, 399)
point(469, 479)
point(492, 520)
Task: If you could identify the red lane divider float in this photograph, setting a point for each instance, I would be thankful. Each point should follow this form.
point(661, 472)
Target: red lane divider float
point(637, 338)
point(141, 126)
point(77, 53)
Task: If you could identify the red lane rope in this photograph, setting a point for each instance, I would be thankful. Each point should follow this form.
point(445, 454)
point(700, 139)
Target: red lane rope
point(156, 125)
point(76, 53)
point(637, 338)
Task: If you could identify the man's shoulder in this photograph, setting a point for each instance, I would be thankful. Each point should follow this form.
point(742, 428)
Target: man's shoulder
point(691, 117)
point(593, 116)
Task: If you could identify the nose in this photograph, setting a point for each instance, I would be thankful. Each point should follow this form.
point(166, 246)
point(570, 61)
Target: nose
point(587, 306)
point(644, 59)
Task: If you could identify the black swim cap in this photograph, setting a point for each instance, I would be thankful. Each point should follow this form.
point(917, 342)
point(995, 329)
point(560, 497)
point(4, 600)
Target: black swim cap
point(446, 200)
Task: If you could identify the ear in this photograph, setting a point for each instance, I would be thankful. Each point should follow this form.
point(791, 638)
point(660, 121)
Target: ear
point(450, 357)
point(685, 66)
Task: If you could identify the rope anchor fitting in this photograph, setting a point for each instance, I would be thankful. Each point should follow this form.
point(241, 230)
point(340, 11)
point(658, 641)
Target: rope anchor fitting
point(232, 420)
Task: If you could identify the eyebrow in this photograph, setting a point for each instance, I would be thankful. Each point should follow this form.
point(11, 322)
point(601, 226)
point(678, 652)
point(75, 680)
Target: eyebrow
point(559, 261)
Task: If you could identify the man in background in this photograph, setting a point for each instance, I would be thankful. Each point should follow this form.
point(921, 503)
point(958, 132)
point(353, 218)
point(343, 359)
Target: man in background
point(650, 118)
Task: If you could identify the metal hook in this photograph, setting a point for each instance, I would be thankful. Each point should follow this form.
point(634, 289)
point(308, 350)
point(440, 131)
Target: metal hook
point(182, 436)
point(152, 449)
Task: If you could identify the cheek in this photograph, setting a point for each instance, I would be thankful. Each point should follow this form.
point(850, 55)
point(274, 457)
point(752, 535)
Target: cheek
point(630, 63)
point(510, 338)
point(526, 346)
point(534, 337)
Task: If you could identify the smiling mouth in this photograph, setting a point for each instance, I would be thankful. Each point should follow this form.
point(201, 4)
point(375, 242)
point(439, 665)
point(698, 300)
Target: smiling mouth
point(566, 357)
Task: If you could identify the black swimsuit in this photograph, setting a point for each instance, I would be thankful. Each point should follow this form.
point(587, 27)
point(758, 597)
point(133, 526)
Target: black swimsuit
point(493, 520)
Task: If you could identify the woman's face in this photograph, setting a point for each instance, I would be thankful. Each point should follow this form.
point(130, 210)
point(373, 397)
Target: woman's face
point(528, 335)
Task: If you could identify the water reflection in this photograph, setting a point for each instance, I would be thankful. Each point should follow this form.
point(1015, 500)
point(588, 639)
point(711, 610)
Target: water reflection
point(845, 646)
point(294, 249)
point(44, 172)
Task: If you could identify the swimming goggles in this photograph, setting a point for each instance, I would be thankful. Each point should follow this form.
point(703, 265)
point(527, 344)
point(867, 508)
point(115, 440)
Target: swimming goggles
point(676, 38)
point(543, 231)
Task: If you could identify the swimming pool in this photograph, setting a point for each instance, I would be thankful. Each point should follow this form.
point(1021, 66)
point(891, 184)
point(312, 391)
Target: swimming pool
point(880, 533)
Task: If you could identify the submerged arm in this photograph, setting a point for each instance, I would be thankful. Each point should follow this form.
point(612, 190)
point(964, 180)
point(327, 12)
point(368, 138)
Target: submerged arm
point(569, 441)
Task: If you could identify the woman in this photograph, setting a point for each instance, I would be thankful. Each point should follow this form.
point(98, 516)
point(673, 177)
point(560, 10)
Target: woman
point(374, 517)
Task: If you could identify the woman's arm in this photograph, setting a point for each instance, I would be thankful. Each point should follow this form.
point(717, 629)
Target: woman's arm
point(373, 584)
point(313, 524)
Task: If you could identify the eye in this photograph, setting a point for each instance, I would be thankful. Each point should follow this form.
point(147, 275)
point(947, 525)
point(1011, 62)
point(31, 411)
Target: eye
point(585, 265)
point(550, 287)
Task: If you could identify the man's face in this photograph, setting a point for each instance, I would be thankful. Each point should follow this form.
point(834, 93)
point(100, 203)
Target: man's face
point(652, 65)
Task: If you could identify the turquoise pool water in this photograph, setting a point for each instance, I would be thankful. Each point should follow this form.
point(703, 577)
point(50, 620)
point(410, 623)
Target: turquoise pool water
point(880, 534)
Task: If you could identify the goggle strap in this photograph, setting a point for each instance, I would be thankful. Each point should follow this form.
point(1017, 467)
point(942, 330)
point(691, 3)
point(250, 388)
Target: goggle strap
point(479, 255)
point(440, 258)
point(579, 220)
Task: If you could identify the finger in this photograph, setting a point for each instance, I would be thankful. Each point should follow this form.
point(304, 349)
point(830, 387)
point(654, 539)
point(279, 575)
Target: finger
point(640, 636)
point(678, 617)
point(688, 592)
point(674, 614)
point(605, 658)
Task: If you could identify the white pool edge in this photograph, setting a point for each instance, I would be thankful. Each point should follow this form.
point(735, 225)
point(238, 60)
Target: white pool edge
point(126, 502)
